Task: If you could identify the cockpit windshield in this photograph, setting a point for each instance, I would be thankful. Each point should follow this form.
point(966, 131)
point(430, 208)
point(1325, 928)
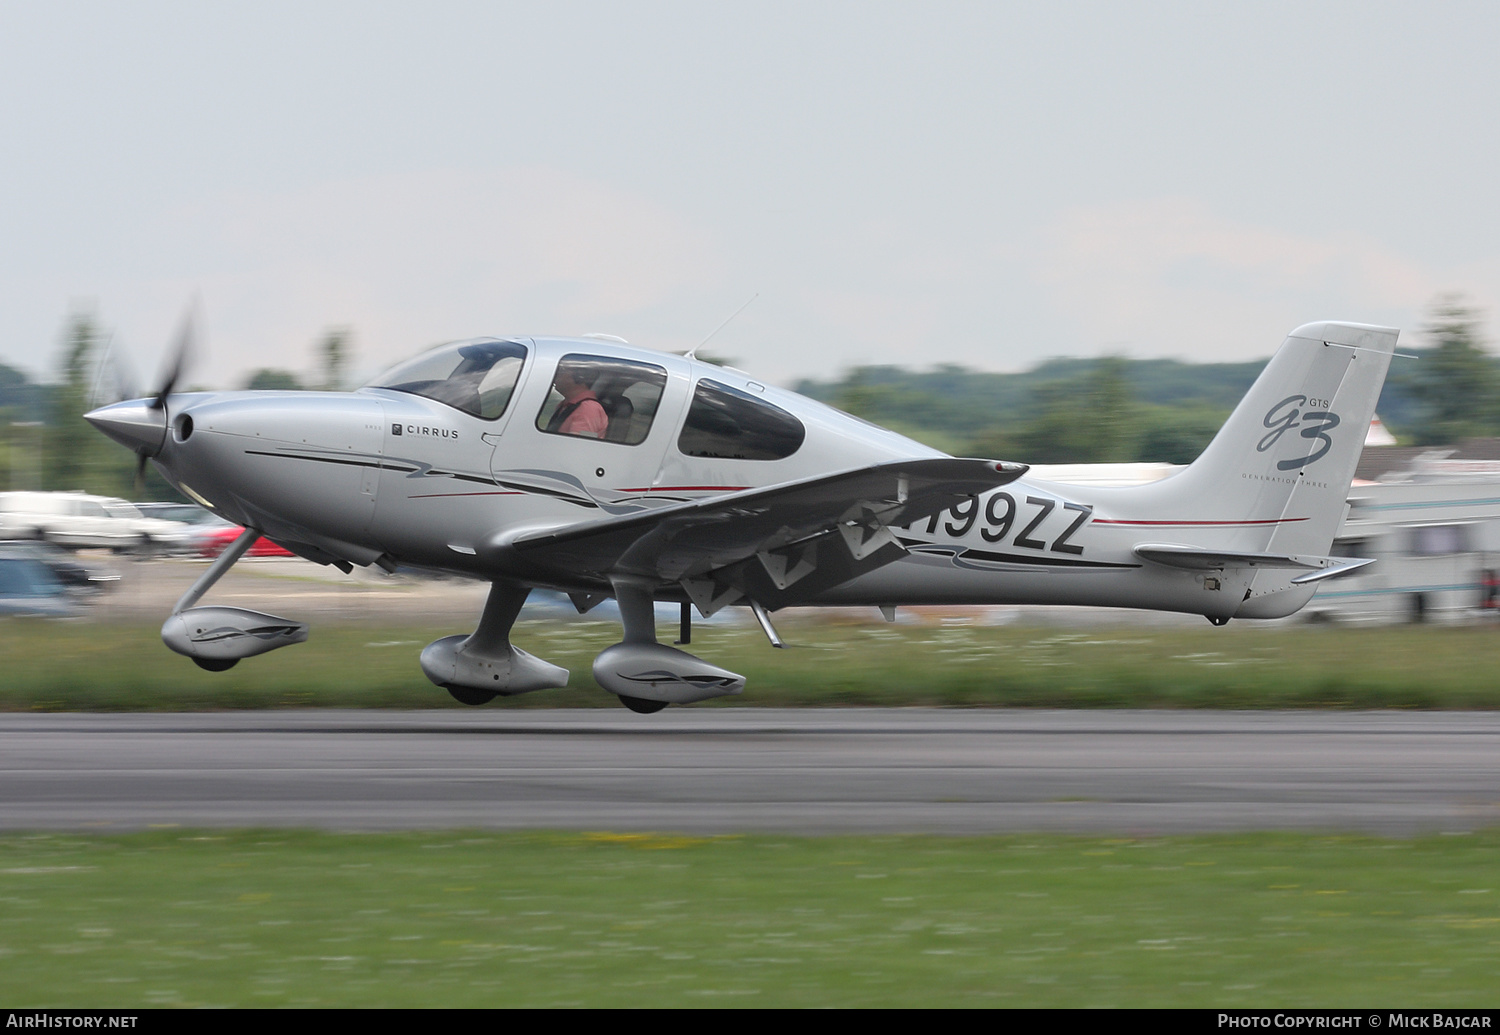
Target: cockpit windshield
point(477, 377)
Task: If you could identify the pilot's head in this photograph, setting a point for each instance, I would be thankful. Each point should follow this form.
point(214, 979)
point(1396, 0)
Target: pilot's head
point(571, 379)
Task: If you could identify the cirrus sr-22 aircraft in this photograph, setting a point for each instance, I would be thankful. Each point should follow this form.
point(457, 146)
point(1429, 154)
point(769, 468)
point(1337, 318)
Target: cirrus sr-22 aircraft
point(601, 470)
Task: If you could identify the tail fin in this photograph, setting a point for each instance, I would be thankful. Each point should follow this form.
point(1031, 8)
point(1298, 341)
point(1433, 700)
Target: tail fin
point(1275, 480)
point(1283, 462)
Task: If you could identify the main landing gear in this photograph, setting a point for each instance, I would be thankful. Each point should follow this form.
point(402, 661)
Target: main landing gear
point(646, 675)
point(477, 668)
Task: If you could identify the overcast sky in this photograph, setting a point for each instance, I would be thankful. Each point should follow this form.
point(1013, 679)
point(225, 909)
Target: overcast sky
point(978, 183)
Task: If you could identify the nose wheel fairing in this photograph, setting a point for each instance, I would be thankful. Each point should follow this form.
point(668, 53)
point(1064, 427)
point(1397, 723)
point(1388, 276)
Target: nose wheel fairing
point(220, 634)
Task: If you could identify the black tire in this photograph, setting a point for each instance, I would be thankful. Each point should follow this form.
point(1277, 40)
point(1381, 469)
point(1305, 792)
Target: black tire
point(216, 664)
point(642, 706)
point(464, 695)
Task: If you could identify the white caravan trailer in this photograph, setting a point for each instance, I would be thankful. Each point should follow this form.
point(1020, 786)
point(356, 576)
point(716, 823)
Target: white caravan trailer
point(1436, 540)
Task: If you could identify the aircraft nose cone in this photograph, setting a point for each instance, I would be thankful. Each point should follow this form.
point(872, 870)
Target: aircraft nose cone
point(134, 424)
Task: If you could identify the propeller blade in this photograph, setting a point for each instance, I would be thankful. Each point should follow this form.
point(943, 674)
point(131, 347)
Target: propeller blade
point(140, 473)
point(178, 359)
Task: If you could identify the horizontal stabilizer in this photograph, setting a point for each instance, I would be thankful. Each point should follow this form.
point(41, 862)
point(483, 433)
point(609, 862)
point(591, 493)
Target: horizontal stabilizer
point(1349, 565)
point(1194, 558)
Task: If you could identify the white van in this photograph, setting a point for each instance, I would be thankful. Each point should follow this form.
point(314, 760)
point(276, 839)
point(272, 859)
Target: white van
point(78, 520)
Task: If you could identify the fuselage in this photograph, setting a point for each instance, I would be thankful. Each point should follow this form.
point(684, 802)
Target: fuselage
point(439, 471)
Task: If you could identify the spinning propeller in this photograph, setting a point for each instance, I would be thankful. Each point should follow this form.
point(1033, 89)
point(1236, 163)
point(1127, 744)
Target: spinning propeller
point(141, 424)
point(183, 350)
point(176, 361)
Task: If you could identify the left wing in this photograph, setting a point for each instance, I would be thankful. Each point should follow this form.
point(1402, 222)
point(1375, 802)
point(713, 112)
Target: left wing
point(778, 545)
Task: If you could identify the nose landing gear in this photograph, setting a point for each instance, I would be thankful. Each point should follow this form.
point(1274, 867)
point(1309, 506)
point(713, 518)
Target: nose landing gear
point(216, 638)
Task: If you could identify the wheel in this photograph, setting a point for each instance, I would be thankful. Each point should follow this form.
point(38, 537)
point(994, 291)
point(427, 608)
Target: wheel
point(464, 695)
point(641, 705)
point(216, 664)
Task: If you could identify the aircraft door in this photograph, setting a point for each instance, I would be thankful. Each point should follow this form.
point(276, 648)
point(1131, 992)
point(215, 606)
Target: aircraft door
point(599, 434)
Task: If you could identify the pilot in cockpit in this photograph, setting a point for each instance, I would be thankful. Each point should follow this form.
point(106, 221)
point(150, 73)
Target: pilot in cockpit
point(580, 412)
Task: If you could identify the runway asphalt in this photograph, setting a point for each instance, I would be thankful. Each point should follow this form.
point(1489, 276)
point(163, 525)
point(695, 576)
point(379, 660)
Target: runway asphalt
point(719, 770)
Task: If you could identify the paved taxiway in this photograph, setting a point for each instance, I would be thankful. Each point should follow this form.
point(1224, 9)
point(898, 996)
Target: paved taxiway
point(753, 769)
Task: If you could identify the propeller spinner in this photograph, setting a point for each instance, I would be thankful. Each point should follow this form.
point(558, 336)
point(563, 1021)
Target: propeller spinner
point(141, 424)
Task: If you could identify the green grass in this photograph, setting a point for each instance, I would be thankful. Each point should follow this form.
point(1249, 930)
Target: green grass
point(256, 918)
point(76, 666)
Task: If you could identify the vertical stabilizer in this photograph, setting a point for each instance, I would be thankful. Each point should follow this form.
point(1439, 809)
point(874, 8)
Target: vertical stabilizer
point(1286, 456)
point(1276, 477)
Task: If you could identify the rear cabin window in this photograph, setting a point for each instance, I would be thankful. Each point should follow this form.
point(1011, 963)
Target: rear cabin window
point(603, 397)
point(728, 424)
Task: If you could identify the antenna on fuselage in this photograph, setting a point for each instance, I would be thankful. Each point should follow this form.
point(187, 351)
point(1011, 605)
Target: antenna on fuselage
point(692, 353)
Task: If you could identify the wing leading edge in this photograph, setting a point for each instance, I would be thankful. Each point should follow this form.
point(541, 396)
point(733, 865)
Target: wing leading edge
point(778, 546)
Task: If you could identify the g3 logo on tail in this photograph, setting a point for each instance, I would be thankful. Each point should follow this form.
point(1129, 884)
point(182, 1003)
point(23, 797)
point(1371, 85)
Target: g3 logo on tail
point(1282, 418)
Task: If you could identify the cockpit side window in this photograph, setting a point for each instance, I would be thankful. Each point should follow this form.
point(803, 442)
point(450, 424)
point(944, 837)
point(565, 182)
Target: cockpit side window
point(726, 423)
point(603, 397)
point(476, 377)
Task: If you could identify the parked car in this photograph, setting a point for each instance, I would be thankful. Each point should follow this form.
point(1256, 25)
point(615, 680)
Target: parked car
point(80, 521)
point(190, 519)
point(183, 513)
point(214, 539)
point(28, 587)
point(73, 573)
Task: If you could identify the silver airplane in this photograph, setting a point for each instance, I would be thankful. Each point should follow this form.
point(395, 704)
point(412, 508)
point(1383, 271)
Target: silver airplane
point(601, 470)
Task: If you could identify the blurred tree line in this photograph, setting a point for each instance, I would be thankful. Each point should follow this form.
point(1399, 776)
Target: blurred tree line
point(1063, 411)
point(46, 444)
point(1452, 391)
point(1116, 410)
point(334, 353)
